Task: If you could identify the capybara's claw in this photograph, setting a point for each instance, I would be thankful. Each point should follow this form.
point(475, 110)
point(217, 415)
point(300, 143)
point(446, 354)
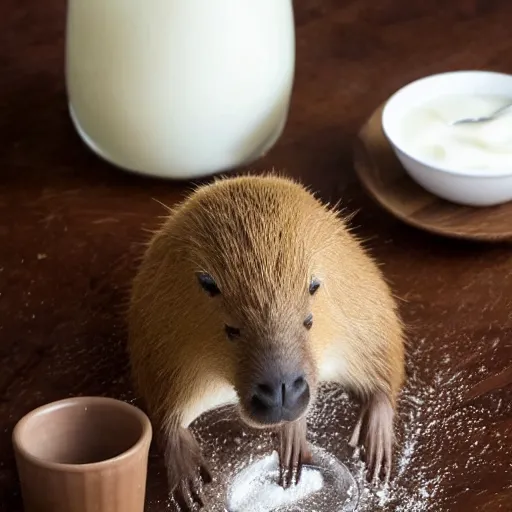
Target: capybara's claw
point(294, 452)
point(374, 431)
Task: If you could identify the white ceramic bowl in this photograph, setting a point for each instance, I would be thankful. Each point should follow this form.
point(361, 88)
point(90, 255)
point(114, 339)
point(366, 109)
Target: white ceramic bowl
point(468, 187)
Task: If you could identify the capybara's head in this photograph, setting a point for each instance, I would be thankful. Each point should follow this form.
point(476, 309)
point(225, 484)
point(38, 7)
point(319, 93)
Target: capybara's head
point(255, 244)
point(269, 333)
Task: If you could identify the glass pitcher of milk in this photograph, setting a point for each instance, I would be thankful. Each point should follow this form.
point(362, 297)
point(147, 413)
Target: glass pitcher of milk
point(180, 88)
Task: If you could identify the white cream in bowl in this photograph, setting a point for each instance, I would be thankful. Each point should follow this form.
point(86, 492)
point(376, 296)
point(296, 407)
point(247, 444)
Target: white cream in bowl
point(469, 164)
point(429, 132)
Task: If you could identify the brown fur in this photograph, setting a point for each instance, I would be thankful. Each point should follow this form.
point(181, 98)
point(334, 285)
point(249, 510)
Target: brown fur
point(262, 239)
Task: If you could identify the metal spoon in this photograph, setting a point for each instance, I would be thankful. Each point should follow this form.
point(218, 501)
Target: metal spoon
point(484, 119)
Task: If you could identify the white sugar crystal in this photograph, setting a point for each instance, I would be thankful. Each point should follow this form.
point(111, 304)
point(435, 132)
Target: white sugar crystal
point(256, 489)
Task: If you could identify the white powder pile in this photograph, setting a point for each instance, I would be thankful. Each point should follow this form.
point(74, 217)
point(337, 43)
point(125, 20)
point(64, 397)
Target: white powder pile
point(256, 488)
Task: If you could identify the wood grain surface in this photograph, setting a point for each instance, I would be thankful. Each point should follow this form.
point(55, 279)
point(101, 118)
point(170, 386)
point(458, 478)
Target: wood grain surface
point(388, 183)
point(72, 229)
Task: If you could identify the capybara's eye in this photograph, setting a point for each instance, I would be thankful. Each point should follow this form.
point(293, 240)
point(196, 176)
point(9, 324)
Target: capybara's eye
point(313, 286)
point(208, 284)
point(232, 332)
point(308, 323)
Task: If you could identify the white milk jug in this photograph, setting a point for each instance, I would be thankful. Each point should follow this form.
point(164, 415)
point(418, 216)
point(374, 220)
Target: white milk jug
point(180, 88)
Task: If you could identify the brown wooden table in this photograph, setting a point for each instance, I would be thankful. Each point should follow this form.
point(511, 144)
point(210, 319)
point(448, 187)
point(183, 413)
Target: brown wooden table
point(71, 227)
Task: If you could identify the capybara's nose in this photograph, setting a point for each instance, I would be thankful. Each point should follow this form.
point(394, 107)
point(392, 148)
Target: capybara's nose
point(280, 399)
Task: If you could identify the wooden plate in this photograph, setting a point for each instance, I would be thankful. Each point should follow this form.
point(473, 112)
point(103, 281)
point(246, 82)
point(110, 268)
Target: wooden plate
point(384, 178)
